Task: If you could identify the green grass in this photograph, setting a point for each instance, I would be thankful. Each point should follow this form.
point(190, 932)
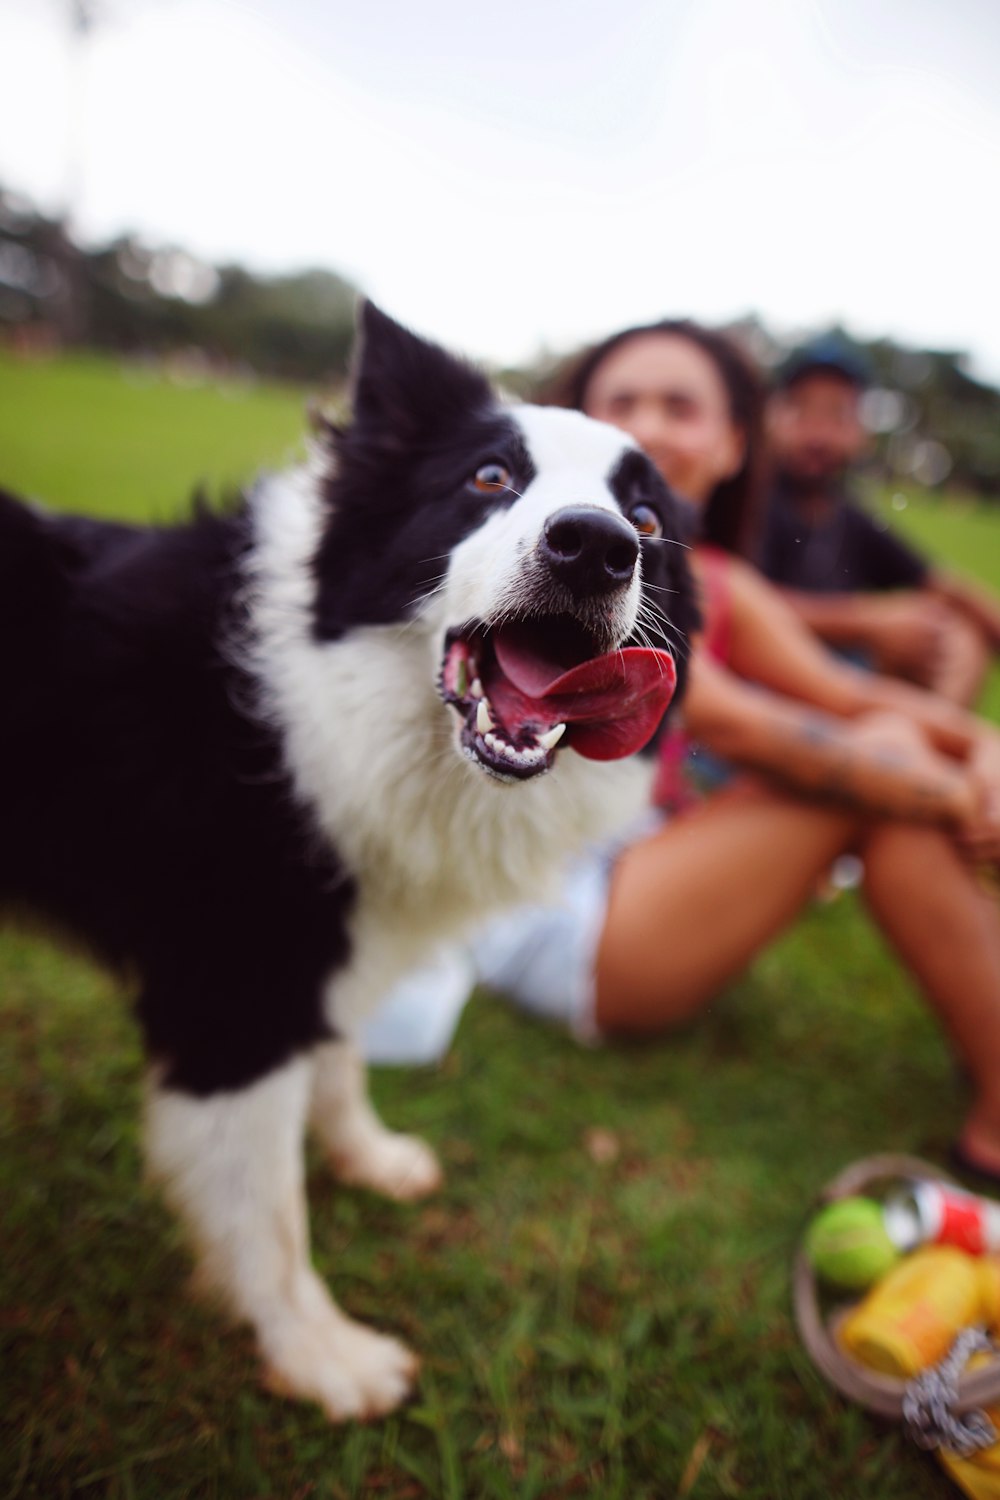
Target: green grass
point(959, 534)
point(962, 533)
point(85, 434)
point(615, 1329)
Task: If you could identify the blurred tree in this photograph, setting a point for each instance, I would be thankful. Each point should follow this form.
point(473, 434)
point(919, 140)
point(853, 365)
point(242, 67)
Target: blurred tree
point(932, 420)
point(130, 297)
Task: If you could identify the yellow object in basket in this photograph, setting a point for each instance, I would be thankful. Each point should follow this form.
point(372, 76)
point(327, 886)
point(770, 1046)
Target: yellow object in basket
point(911, 1318)
point(979, 1475)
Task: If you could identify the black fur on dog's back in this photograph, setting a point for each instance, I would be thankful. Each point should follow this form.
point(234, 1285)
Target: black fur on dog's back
point(143, 806)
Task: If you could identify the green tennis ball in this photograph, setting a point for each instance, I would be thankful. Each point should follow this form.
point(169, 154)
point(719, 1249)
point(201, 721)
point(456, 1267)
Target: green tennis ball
point(847, 1243)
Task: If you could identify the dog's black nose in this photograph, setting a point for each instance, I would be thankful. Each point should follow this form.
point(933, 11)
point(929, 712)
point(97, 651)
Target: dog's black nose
point(590, 550)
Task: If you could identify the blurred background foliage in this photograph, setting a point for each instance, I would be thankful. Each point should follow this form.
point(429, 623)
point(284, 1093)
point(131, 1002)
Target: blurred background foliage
point(157, 302)
point(931, 421)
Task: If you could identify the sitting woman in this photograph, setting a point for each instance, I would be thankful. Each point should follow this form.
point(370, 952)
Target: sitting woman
point(830, 760)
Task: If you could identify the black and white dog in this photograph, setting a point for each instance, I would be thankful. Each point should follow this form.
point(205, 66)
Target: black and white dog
point(263, 760)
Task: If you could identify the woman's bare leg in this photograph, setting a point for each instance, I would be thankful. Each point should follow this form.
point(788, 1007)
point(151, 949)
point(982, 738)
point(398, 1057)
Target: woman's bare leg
point(930, 905)
point(690, 906)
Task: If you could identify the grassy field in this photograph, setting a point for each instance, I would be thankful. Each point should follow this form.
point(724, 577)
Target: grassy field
point(86, 435)
point(601, 1292)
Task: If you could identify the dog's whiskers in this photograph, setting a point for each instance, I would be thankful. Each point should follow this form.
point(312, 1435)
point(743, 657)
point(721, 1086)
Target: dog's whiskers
point(668, 541)
point(435, 588)
point(661, 624)
point(646, 640)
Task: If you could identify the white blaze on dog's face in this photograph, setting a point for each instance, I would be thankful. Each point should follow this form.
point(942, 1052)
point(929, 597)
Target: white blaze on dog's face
point(533, 544)
point(505, 560)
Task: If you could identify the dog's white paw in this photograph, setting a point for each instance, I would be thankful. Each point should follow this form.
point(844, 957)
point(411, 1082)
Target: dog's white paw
point(400, 1166)
point(352, 1371)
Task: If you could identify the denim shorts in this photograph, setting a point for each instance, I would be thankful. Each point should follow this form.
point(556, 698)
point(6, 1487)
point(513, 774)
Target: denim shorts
point(543, 958)
point(540, 958)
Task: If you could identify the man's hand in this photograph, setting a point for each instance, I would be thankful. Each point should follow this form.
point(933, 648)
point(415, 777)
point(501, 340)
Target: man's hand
point(906, 631)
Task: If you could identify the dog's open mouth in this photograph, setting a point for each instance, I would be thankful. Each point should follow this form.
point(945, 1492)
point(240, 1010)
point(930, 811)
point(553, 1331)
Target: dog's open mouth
point(525, 688)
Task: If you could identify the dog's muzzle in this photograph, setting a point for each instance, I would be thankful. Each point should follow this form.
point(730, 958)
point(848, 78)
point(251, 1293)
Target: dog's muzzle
point(554, 669)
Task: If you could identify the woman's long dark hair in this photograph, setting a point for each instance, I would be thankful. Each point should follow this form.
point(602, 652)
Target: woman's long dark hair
point(732, 517)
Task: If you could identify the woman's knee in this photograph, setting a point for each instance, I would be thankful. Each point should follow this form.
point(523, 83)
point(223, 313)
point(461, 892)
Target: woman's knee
point(624, 1008)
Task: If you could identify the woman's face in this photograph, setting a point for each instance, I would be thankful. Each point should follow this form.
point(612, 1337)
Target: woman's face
point(667, 393)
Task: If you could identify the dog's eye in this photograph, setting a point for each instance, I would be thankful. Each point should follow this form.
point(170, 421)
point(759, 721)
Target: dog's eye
point(490, 479)
point(646, 521)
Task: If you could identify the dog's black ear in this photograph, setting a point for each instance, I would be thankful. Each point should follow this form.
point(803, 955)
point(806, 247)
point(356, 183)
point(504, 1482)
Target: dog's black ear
point(405, 387)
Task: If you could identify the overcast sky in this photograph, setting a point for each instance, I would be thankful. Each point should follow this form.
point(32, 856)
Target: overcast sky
point(537, 172)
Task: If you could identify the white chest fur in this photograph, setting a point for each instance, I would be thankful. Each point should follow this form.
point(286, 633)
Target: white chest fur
point(434, 844)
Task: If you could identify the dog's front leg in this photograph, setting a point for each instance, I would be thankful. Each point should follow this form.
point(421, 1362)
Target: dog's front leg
point(232, 1166)
point(362, 1150)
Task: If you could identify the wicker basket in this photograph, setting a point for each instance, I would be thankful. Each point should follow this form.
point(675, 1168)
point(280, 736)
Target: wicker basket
point(879, 1393)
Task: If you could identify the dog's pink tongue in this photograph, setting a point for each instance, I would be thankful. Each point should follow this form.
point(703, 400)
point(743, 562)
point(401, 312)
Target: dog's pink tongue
point(614, 702)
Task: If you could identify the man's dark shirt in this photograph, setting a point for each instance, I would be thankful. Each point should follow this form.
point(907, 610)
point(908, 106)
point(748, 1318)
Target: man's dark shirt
point(849, 553)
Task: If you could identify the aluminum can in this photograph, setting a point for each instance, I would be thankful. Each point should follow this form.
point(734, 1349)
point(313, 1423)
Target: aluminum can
point(935, 1213)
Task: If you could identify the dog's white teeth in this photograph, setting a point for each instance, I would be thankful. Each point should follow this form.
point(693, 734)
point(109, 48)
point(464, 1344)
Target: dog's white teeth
point(529, 755)
point(550, 739)
point(484, 719)
point(476, 690)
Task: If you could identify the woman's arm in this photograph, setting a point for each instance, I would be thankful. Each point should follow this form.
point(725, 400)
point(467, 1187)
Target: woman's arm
point(879, 762)
point(771, 646)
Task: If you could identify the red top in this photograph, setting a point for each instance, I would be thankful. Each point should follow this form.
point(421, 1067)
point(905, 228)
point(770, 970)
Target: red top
point(672, 789)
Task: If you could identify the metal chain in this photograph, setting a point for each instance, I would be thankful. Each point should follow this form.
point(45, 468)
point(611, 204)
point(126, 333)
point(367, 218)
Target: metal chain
point(930, 1396)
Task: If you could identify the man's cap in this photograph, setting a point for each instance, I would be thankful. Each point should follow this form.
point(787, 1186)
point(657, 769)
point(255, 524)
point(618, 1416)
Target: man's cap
point(829, 354)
